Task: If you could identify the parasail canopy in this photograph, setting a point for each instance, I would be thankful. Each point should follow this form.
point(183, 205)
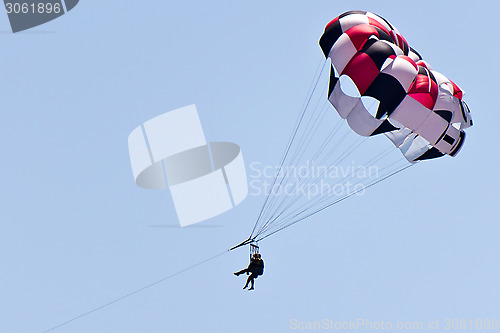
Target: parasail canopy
point(420, 110)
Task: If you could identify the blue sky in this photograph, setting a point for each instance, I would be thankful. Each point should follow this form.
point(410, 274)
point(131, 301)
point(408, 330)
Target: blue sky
point(78, 233)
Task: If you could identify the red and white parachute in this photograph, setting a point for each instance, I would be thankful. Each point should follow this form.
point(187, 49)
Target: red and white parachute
point(420, 110)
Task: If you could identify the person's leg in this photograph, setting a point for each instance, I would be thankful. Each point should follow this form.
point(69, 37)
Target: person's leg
point(241, 272)
point(251, 285)
point(246, 284)
point(251, 278)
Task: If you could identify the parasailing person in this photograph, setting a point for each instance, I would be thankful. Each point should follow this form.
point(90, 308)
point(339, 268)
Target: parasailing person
point(255, 269)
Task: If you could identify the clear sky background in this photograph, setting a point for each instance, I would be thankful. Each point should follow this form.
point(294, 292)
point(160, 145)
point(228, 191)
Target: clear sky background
point(77, 232)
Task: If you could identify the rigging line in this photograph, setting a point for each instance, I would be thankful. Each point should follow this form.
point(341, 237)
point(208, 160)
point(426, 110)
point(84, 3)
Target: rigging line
point(321, 201)
point(288, 147)
point(297, 125)
point(275, 215)
point(304, 139)
point(275, 199)
point(319, 69)
point(312, 134)
point(329, 138)
point(320, 150)
point(350, 149)
point(335, 202)
point(269, 222)
point(317, 202)
point(133, 292)
point(305, 212)
point(310, 91)
point(338, 143)
point(377, 157)
point(336, 146)
point(308, 134)
point(307, 137)
point(356, 144)
point(340, 159)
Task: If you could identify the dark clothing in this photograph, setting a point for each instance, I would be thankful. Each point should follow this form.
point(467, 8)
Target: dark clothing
point(255, 268)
